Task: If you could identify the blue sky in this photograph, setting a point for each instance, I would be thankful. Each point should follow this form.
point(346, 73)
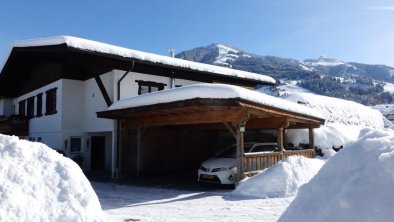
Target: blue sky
point(350, 30)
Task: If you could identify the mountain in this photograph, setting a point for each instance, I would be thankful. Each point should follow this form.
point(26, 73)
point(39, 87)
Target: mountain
point(359, 82)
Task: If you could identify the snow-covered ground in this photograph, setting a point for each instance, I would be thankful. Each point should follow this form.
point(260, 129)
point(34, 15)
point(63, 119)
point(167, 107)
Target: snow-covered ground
point(132, 203)
point(261, 198)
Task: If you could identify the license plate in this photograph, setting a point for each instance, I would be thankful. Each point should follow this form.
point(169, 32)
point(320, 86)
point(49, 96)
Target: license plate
point(208, 177)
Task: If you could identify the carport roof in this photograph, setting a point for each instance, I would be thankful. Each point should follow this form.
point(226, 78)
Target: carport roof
point(209, 103)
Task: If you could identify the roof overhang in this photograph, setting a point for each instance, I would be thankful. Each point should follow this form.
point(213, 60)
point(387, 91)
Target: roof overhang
point(205, 110)
point(33, 64)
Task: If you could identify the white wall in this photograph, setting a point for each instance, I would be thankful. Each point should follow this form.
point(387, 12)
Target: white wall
point(48, 127)
point(94, 102)
point(6, 107)
point(129, 87)
point(77, 104)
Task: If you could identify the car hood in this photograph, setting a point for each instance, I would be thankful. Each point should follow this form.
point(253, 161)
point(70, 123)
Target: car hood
point(219, 162)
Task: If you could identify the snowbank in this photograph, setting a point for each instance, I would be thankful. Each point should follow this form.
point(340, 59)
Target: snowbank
point(281, 180)
point(326, 136)
point(344, 121)
point(354, 185)
point(339, 111)
point(38, 184)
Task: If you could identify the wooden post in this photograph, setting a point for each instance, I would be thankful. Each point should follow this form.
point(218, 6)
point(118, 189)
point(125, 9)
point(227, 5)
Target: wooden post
point(311, 139)
point(240, 152)
point(280, 139)
point(123, 143)
point(139, 150)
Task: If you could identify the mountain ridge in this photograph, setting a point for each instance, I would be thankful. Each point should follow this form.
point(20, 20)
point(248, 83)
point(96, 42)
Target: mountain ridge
point(363, 83)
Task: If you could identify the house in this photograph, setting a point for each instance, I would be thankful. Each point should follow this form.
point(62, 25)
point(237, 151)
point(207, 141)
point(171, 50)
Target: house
point(387, 111)
point(52, 89)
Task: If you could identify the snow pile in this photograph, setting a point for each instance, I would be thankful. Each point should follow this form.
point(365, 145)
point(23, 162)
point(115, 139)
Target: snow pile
point(344, 121)
point(38, 184)
point(326, 137)
point(355, 185)
point(211, 91)
point(281, 180)
point(100, 47)
point(339, 111)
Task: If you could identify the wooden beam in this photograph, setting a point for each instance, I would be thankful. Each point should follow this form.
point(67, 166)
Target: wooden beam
point(304, 126)
point(279, 112)
point(103, 91)
point(230, 129)
point(267, 123)
point(240, 153)
point(216, 116)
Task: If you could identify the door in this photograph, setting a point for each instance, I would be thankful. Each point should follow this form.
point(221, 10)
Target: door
point(97, 153)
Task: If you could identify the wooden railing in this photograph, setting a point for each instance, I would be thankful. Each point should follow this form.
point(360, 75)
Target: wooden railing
point(14, 125)
point(259, 161)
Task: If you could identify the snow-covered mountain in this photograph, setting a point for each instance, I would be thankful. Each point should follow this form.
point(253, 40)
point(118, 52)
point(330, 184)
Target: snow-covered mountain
point(359, 82)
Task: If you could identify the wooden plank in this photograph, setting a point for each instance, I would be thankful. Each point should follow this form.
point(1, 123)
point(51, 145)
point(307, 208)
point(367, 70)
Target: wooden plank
point(304, 126)
point(280, 112)
point(218, 116)
point(103, 91)
point(267, 123)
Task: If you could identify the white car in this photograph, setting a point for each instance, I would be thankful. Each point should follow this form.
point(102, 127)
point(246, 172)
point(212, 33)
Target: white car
point(222, 167)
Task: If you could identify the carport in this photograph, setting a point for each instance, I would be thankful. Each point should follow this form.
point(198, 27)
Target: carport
point(210, 107)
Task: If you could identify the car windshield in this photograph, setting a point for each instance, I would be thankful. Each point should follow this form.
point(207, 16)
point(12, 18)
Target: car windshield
point(231, 151)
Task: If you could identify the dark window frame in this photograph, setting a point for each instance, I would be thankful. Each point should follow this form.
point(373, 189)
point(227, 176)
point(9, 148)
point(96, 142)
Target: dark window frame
point(22, 108)
point(50, 103)
point(39, 105)
point(75, 144)
point(30, 107)
point(151, 85)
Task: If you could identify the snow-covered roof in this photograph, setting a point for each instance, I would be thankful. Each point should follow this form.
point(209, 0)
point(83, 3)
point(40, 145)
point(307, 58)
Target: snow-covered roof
point(212, 91)
point(339, 111)
point(94, 46)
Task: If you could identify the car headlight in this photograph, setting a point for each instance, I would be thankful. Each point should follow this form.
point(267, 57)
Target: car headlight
point(204, 169)
point(219, 169)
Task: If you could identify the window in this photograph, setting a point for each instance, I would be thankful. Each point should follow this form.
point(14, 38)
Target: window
point(75, 144)
point(147, 87)
point(22, 108)
point(30, 107)
point(39, 105)
point(50, 102)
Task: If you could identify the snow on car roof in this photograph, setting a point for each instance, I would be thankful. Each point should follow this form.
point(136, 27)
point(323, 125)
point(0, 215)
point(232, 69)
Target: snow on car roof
point(212, 91)
point(339, 110)
point(94, 46)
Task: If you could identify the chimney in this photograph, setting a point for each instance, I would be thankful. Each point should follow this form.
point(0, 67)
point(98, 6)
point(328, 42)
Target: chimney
point(172, 52)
